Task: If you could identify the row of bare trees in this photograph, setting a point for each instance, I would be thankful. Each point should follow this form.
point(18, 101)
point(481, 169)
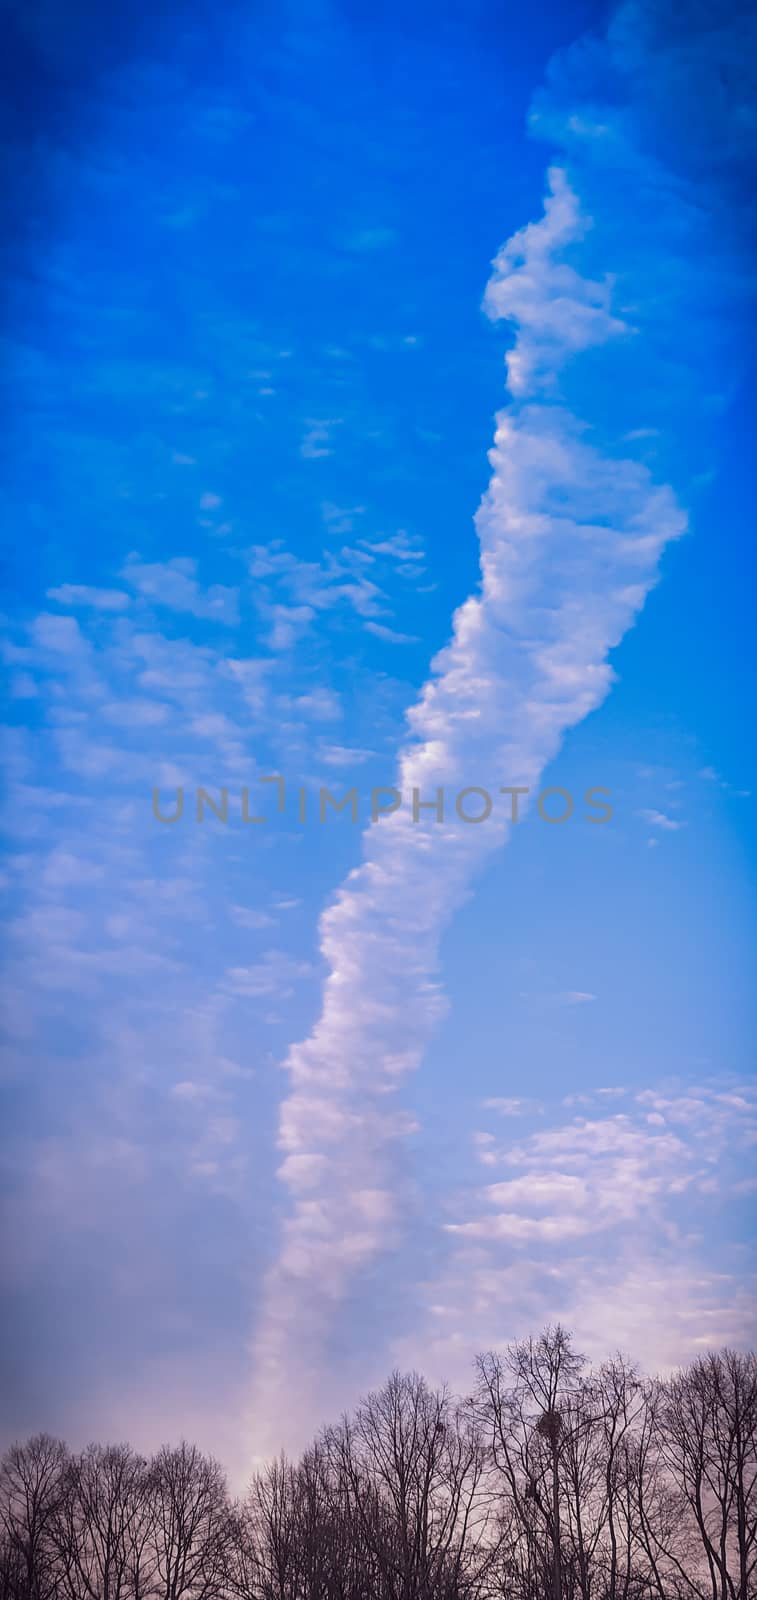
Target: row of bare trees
point(551, 1481)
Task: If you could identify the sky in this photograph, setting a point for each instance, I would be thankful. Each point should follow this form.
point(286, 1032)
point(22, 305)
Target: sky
point(377, 398)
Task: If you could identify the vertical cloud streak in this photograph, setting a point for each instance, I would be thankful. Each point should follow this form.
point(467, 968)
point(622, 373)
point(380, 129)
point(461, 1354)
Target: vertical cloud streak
point(570, 540)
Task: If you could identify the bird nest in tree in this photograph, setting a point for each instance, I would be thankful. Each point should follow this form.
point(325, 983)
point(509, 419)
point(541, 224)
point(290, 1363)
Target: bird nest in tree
point(549, 1425)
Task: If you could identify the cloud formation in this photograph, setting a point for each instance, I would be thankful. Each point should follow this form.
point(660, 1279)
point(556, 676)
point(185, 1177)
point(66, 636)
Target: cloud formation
point(602, 376)
point(146, 967)
point(598, 1219)
point(570, 539)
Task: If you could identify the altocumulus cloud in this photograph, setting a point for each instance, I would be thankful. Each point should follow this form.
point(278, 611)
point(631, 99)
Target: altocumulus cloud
point(597, 1219)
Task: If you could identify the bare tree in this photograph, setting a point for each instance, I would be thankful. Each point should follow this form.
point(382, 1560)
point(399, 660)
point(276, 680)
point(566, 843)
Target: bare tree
point(192, 1526)
point(30, 1487)
point(272, 1520)
point(523, 1401)
point(554, 1482)
point(581, 1492)
point(412, 1465)
point(707, 1437)
point(103, 1526)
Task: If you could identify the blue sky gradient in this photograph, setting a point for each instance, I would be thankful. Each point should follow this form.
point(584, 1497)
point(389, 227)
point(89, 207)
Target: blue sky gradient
point(250, 391)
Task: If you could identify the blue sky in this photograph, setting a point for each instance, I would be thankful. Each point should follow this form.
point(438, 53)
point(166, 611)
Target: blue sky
point(288, 1104)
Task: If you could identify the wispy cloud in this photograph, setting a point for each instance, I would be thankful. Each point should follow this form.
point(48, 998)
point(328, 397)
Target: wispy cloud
point(316, 440)
point(599, 1220)
point(83, 594)
point(390, 635)
point(174, 584)
point(658, 819)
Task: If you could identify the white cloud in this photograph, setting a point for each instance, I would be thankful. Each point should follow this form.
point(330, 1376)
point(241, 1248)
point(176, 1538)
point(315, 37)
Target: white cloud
point(291, 593)
point(570, 540)
point(322, 705)
point(507, 1106)
point(174, 584)
point(658, 819)
point(340, 519)
point(82, 594)
point(135, 713)
point(557, 311)
point(316, 440)
point(400, 546)
point(560, 997)
point(246, 917)
point(340, 755)
point(390, 635)
point(60, 635)
point(594, 1229)
point(275, 973)
point(289, 623)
